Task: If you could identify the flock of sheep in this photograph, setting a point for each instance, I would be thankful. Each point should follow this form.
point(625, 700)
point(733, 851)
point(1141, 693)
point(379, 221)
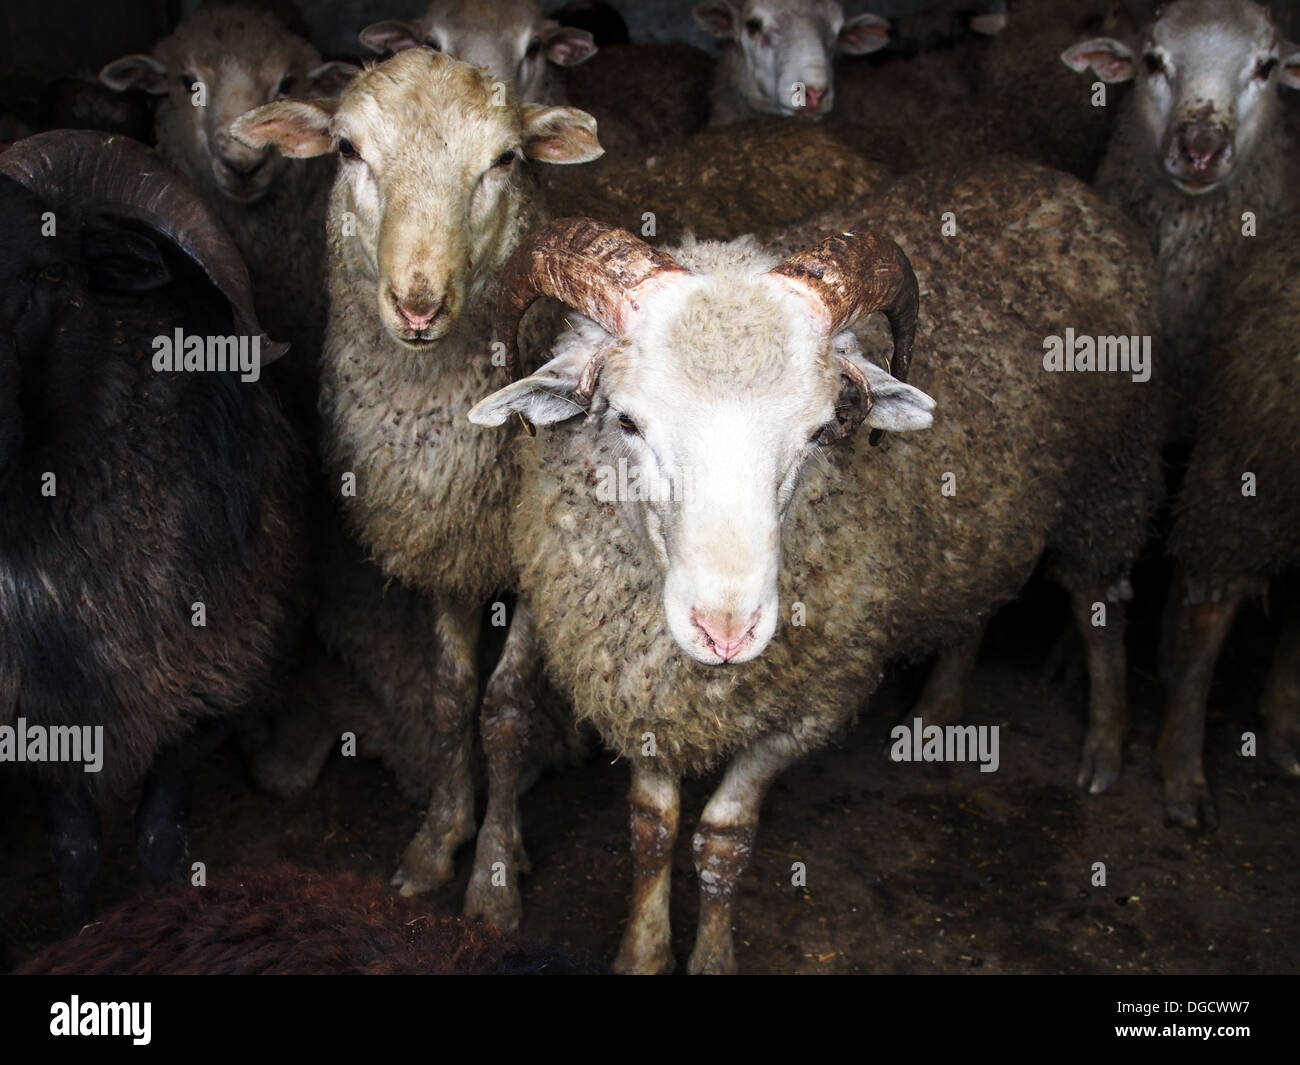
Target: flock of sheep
point(514, 269)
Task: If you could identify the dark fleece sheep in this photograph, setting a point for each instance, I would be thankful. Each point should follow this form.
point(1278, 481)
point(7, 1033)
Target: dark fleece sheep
point(286, 921)
point(129, 495)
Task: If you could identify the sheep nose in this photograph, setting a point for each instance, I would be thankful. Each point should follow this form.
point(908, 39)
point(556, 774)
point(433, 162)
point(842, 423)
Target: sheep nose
point(419, 312)
point(1202, 144)
point(813, 98)
point(245, 171)
point(726, 633)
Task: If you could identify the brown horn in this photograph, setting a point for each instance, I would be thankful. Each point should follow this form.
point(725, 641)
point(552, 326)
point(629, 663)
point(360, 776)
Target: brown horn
point(599, 270)
point(84, 174)
point(851, 275)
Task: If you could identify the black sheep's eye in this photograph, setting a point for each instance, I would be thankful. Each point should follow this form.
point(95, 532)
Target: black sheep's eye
point(285, 86)
point(627, 425)
point(1153, 63)
point(506, 158)
point(1265, 69)
point(188, 82)
point(54, 272)
point(433, 42)
point(754, 26)
point(347, 149)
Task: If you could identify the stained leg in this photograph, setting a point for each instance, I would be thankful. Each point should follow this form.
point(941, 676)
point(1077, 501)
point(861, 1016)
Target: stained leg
point(72, 822)
point(508, 709)
point(1280, 705)
point(724, 841)
point(1103, 745)
point(655, 800)
point(449, 821)
point(941, 698)
point(1200, 631)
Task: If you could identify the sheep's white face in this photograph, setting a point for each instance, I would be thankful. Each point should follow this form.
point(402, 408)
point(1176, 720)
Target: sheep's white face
point(218, 65)
point(1207, 74)
point(511, 39)
point(713, 409)
point(788, 48)
point(430, 157)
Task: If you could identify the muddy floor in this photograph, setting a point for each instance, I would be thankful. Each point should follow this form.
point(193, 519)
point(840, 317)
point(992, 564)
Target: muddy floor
point(909, 867)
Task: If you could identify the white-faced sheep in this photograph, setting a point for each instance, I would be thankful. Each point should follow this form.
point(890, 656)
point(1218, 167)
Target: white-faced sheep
point(151, 513)
point(1237, 520)
point(777, 55)
point(1201, 156)
point(432, 196)
point(739, 605)
point(511, 39)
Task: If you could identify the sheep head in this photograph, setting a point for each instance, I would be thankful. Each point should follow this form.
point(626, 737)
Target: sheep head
point(511, 39)
point(431, 156)
point(714, 383)
point(1207, 73)
point(788, 47)
point(221, 62)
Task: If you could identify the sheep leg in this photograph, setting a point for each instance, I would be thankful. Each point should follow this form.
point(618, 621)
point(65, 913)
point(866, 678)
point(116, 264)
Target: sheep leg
point(1103, 639)
point(72, 822)
point(162, 818)
point(508, 707)
point(724, 841)
point(1280, 705)
point(1201, 630)
point(941, 698)
point(449, 821)
point(655, 800)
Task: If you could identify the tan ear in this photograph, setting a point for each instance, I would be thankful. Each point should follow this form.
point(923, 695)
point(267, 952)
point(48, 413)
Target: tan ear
point(567, 46)
point(392, 35)
point(559, 134)
point(330, 79)
point(1112, 60)
point(135, 72)
point(863, 34)
point(299, 129)
point(718, 18)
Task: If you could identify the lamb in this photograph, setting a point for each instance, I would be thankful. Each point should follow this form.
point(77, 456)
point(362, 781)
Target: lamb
point(284, 921)
point(1235, 521)
point(777, 54)
point(1201, 157)
point(150, 518)
point(722, 385)
point(430, 199)
point(511, 39)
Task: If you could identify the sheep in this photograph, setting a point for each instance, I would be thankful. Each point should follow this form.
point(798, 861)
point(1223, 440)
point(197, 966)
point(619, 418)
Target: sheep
point(511, 39)
point(1200, 158)
point(715, 377)
point(1235, 521)
point(777, 54)
point(285, 921)
point(431, 197)
point(150, 518)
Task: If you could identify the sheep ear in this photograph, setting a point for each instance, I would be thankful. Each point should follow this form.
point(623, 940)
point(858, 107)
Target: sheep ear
point(559, 134)
point(1288, 72)
point(544, 398)
point(330, 79)
point(567, 46)
point(1112, 60)
point(135, 72)
point(863, 34)
point(896, 407)
point(392, 35)
point(717, 18)
point(298, 129)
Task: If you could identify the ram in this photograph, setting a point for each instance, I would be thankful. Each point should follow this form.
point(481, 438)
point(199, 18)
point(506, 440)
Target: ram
point(151, 517)
point(737, 602)
point(431, 197)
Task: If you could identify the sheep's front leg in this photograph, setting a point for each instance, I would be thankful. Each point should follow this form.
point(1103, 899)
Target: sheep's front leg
point(508, 709)
point(1280, 705)
point(449, 822)
point(72, 822)
point(655, 800)
point(941, 698)
point(1101, 624)
point(724, 841)
point(1199, 634)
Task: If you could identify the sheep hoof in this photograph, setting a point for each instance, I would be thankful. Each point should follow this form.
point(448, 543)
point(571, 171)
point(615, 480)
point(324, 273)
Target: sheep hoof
point(644, 955)
point(1190, 806)
point(502, 907)
point(1283, 745)
point(1102, 761)
point(710, 961)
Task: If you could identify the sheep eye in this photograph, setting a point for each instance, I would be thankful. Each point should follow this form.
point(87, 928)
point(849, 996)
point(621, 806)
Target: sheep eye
point(754, 26)
point(1265, 68)
point(1153, 63)
point(534, 46)
point(188, 82)
point(627, 425)
point(432, 42)
point(55, 272)
point(285, 86)
point(347, 149)
point(506, 158)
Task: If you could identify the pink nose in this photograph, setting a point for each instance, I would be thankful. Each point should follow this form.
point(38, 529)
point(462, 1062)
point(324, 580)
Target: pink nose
point(419, 312)
point(813, 99)
point(726, 635)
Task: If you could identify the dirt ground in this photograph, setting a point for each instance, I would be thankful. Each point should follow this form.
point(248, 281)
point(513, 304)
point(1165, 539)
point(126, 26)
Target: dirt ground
point(911, 868)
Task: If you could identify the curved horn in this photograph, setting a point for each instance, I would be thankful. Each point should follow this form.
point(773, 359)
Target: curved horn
point(82, 174)
point(599, 270)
